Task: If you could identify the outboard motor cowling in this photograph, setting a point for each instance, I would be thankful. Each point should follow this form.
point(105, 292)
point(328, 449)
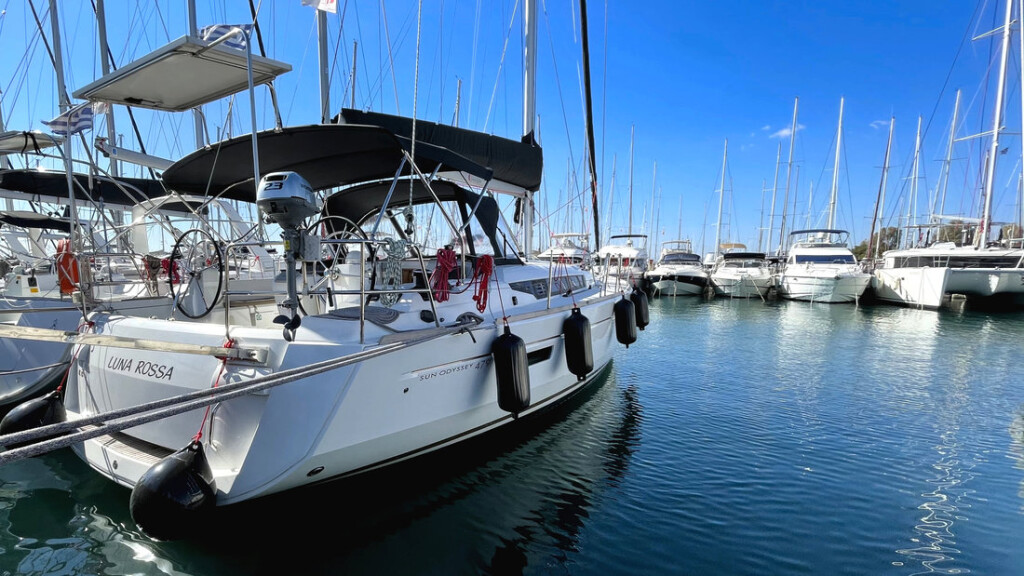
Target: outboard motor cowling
point(287, 199)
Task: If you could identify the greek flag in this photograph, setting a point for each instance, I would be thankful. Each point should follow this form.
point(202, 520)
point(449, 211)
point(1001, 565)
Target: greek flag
point(325, 5)
point(211, 33)
point(74, 120)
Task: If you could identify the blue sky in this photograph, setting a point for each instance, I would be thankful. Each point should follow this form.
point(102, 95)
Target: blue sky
point(686, 74)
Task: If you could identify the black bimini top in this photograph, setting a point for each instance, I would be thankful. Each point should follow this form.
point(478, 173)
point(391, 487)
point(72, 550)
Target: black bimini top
point(515, 162)
point(34, 220)
point(326, 155)
point(359, 202)
point(55, 185)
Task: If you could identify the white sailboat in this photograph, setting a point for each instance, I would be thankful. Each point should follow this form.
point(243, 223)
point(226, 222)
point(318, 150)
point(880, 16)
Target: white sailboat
point(928, 276)
point(403, 361)
point(819, 266)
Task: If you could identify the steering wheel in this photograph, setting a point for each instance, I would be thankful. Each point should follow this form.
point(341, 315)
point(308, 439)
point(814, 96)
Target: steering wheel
point(196, 264)
point(342, 229)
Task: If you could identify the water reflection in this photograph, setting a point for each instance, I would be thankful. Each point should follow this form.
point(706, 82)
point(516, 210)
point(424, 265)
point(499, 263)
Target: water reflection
point(505, 504)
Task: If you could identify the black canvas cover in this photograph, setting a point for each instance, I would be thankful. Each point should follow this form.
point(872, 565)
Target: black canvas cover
point(55, 185)
point(326, 155)
point(518, 163)
point(358, 202)
point(33, 220)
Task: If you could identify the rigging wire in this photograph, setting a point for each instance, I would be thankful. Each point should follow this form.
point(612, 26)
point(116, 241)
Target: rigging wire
point(501, 66)
point(391, 57)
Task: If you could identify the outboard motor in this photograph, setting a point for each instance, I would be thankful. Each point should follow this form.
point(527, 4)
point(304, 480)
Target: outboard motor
point(288, 200)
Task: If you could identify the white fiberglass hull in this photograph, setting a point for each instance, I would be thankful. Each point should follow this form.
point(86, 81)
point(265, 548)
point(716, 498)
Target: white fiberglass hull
point(28, 366)
point(741, 285)
point(822, 285)
point(985, 282)
point(918, 287)
point(676, 288)
point(338, 423)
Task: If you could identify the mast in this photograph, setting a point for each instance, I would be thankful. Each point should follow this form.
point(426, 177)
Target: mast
point(835, 171)
point(810, 203)
point(789, 171)
point(986, 216)
point(949, 153)
point(631, 132)
point(760, 221)
point(101, 23)
point(355, 48)
point(529, 107)
point(325, 85)
point(590, 121)
point(721, 196)
point(679, 232)
point(5, 162)
point(654, 191)
point(611, 195)
point(58, 62)
point(771, 211)
point(458, 102)
point(913, 185)
point(880, 199)
point(197, 112)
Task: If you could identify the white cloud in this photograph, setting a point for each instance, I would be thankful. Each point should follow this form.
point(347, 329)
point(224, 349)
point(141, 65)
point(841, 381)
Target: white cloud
point(766, 127)
point(879, 124)
point(785, 132)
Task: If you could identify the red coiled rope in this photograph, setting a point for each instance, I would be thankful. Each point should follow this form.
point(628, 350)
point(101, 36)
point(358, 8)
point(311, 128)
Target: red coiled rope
point(482, 275)
point(223, 362)
point(439, 278)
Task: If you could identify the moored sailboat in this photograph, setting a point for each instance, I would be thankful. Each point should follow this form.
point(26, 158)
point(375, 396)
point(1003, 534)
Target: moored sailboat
point(398, 360)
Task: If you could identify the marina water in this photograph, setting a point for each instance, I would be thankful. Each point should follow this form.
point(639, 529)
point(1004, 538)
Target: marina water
point(735, 437)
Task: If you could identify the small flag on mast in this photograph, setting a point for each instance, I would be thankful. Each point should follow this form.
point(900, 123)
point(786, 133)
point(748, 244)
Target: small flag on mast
point(325, 5)
point(75, 120)
point(211, 33)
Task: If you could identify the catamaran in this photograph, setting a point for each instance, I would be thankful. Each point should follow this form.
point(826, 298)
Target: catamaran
point(928, 276)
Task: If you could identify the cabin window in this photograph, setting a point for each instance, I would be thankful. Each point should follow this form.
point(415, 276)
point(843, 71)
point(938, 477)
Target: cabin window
point(825, 259)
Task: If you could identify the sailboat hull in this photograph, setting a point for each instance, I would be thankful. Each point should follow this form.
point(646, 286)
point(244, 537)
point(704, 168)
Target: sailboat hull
point(354, 419)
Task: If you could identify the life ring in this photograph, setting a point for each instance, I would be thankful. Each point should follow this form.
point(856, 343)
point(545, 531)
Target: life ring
point(67, 267)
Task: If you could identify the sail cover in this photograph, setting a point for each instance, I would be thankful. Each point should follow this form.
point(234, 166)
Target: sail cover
point(518, 163)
